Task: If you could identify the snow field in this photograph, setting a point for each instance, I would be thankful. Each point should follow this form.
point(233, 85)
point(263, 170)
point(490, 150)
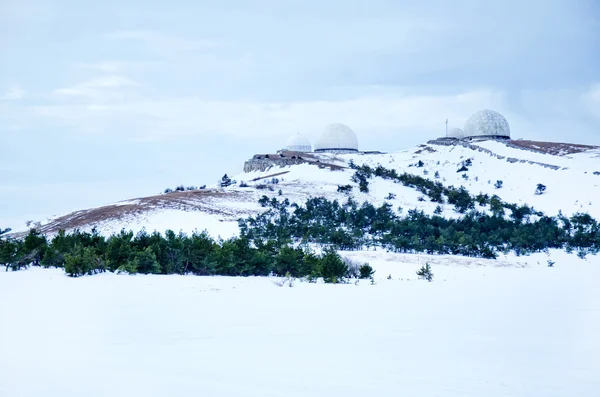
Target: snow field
point(477, 329)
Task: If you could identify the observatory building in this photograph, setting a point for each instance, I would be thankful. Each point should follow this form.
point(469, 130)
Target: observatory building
point(337, 138)
point(298, 143)
point(482, 125)
point(487, 124)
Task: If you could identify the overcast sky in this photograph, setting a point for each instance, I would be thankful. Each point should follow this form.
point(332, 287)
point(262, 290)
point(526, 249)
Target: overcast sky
point(108, 100)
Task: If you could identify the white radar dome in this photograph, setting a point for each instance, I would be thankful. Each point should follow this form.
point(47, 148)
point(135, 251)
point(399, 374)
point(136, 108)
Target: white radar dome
point(456, 133)
point(298, 143)
point(487, 123)
point(337, 138)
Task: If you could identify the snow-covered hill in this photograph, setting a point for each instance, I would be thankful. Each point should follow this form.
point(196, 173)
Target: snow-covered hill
point(571, 175)
point(513, 326)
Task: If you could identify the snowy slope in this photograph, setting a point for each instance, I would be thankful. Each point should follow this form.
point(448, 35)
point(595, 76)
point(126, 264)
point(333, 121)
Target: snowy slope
point(476, 330)
point(571, 184)
point(506, 327)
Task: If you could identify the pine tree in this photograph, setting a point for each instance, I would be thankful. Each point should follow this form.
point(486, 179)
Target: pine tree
point(425, 273)
point(145, 262)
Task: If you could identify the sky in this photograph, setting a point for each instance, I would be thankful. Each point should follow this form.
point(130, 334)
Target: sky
point(106, 101)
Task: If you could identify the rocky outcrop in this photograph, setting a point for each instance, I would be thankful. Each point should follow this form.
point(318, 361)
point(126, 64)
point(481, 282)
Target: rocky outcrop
point(263, 163)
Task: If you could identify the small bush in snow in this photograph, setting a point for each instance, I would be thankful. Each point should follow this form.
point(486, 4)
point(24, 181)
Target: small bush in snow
point(344, 188)
point(425, 172)
point(465, 176)
point(436, 175)
point(551, 263)
point(425, 273)
point(366, 271)
point(333, 268)
point(438, 210)
point(420, 164)
point(243, 184)
point(389, 277)
point(390, 196)
point(540, 189)
point(462, 169)
point(280, 192)
point(180, 188)
point(168, 190)
point(498, 184)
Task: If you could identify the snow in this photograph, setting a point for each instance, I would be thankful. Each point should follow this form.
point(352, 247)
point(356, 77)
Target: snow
point(480, 328)
point(176, 220)
point(570, 189)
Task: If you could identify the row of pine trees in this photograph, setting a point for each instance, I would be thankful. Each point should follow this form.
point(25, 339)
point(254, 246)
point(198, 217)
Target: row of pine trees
point(278, 240)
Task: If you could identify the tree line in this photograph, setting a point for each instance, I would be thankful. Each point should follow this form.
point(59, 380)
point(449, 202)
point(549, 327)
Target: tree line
point(85, 253)
point(278, 240)
point(505, 227)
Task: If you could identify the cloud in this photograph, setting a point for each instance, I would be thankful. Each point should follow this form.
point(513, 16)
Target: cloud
point(14, 93)
point(591, 100)
point(101, 89)
point(160, 119)
point(163, 44)
point(105, 66)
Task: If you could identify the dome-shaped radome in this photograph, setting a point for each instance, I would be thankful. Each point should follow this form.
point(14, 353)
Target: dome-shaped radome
point(298, 143)
point(456, 133)
point(337, 138)
point(487, 123)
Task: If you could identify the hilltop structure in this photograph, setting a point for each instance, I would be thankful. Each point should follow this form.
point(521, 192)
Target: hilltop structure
point(298, 143)
point(337, 138)
point(456, 133)
point(483, 125)
point(487, 124)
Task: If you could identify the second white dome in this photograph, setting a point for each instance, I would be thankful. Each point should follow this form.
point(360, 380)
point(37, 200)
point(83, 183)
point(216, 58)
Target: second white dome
point(456, 133)
point(298, 143)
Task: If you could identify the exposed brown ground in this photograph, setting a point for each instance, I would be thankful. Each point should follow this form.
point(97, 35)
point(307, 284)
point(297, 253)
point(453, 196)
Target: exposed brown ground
point(196, 200)
point(554, 148)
